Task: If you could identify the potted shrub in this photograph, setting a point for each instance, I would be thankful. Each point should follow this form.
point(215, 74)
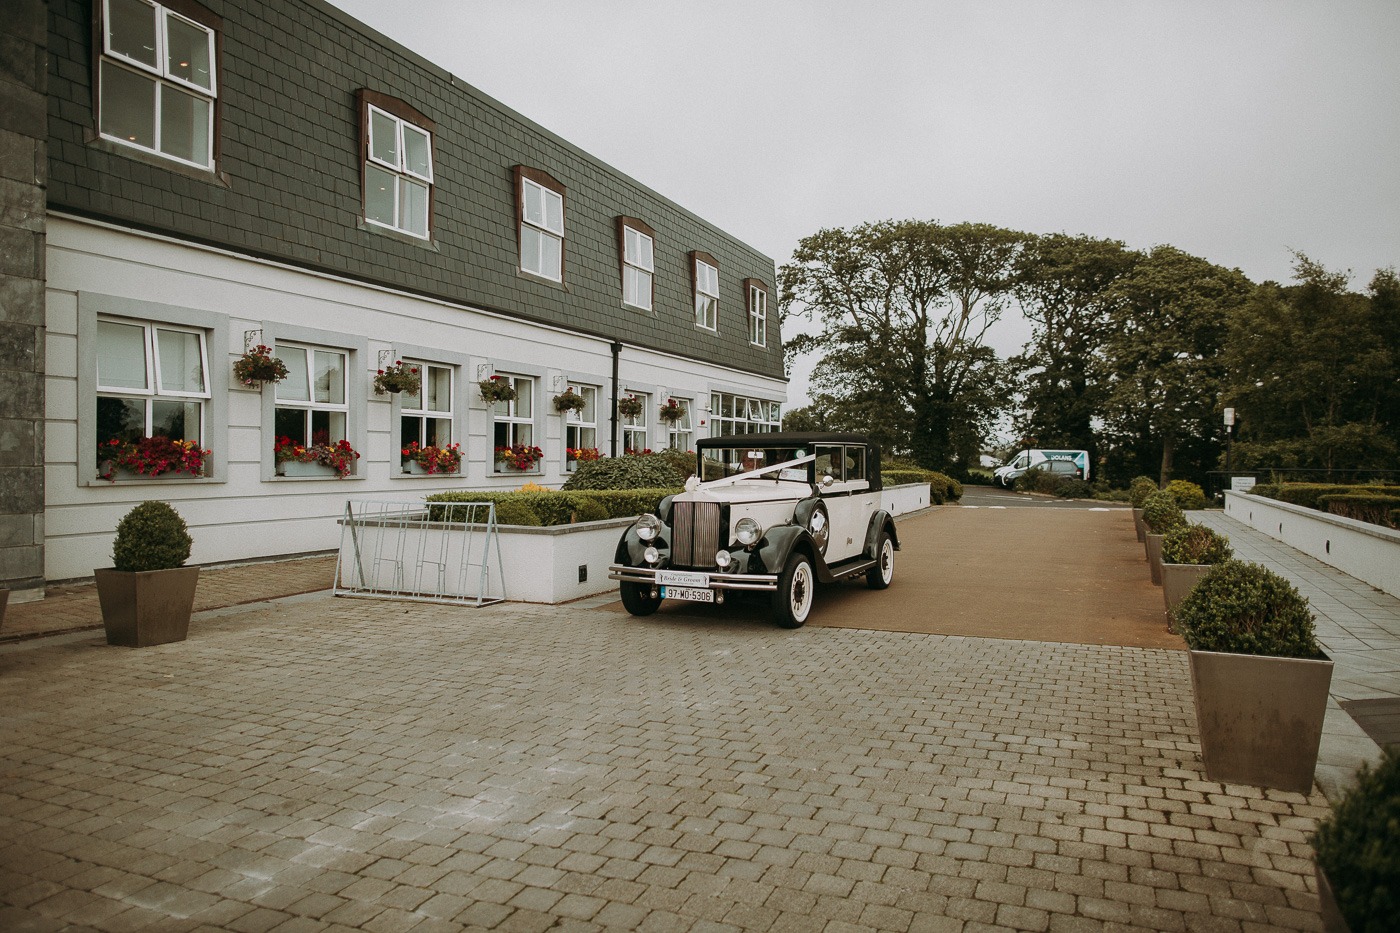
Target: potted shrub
point(257, 366)
point(1160, 514)
point(496, 389)
point(397, 378)
point(147, 595)
point(1260, 679)
point(1358, 852)
point(1138, 491)
point(1188, 551)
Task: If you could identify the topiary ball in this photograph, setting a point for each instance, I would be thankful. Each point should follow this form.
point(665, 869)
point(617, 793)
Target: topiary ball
point(635, 471)
point(1187, 494)
point(1195, 544)
point(1241, 608)
point(152, 536)
point(1161, 513)
point(1140, 488)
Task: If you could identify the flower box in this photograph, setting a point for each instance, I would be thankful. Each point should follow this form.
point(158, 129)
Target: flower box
point(294, 468)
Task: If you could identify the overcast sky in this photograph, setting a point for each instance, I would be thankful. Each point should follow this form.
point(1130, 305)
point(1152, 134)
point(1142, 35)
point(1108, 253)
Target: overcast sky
point(1237, 131)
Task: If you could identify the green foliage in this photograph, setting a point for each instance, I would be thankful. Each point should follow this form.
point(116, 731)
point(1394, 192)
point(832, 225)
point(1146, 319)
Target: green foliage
point(1140, 488)
point(639, 471)
point(1311, 495)
point(1241, 608)
point(1161, 513)
point(942, 488)
point(549, 507)
point(1071, 488)
point(1195, 544)
point(1187, 494)
point(1358, 846)
point(152, 536)
point(682, 461)
point(1365, 507)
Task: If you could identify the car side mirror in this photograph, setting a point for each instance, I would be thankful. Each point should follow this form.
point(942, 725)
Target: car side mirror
point(828, 480)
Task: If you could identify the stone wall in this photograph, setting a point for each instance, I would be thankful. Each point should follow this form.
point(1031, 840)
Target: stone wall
point(23, 180)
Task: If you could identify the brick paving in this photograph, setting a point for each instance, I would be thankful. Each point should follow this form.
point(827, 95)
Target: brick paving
point(332, 764)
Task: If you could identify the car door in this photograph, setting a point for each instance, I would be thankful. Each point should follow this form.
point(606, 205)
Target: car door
point(847, 499)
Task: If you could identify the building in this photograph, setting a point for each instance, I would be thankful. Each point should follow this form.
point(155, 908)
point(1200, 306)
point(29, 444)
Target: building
point(185, 181)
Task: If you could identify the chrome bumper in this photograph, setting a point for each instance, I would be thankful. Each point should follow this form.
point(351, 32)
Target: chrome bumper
point(717, 581)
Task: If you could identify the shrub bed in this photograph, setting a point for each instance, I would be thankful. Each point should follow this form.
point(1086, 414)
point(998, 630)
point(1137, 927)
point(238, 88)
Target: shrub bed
point(1365, 507)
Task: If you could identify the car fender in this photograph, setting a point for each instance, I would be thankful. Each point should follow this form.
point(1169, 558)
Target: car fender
point(880, 521)
point(779, 543)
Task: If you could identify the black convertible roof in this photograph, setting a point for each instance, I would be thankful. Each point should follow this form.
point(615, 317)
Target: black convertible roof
point(800, 439)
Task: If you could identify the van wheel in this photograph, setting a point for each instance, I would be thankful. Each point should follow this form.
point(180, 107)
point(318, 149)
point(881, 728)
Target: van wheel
point(797, 585)
point(637, 599)
point(879, 576)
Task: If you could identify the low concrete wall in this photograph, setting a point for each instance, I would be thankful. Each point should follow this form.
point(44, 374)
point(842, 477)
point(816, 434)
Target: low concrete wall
point(898, 500)
point(1367, 552)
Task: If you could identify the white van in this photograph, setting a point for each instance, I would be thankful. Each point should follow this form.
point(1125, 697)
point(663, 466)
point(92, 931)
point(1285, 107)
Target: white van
point(1073, 464)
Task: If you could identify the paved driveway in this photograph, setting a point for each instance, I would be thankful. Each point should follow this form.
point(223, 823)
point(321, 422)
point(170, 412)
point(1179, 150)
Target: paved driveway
point(327, 764)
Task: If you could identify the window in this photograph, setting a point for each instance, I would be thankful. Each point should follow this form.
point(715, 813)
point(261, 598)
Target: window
point(637, 240)
point(634, 427)
point(397, 144)
point(581, 427)
point(157, 85)
point(515, 420)
point(737, 414)
point(311, 402)
point(679, 433)
point(426, 417)
point(541, 208)
point(152, 380)
point(706, 290)
point(758, 312)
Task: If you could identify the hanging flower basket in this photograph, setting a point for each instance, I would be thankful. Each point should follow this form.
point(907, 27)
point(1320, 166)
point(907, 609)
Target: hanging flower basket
point(671, 412)
point(398, 378)
point(569, 400)
point(497, 389)
point(257, 366)
point(629, 406)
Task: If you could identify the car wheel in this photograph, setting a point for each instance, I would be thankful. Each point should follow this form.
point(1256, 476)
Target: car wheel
point(879, 576)
point(637, 599)
point(796, 588)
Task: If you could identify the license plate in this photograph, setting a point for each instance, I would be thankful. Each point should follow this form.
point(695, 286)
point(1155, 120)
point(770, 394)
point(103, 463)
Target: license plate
point(688, 592)
point(682, 578)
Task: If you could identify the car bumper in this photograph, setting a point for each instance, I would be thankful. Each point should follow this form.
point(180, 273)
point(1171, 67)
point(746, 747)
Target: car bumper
point(655, 576)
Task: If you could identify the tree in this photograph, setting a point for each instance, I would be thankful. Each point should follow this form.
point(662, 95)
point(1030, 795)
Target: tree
point(902, 309)
point(1064, 285)
point(1161, 360)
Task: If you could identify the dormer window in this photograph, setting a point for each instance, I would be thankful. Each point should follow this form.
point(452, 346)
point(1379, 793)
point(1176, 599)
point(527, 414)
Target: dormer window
point(397, 143)
point(540, 209)
point(638, 263)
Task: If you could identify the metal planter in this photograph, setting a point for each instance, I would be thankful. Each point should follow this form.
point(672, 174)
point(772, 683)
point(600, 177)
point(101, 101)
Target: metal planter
point(1177, 581)
point(1153, 546)
point(1260, 718)
point(1138, 525)
point(148, 607)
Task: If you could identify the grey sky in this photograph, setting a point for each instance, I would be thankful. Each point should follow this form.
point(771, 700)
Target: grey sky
point(1236, 131)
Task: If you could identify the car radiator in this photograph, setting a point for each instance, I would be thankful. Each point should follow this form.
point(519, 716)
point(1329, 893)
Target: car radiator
point(695, 533)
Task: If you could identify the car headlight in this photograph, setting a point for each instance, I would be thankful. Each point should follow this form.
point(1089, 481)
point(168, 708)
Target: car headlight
point(747, 531)
point(648, 526)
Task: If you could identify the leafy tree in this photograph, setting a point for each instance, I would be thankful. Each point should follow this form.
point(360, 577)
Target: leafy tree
point(1064, 285)
point(1161, 360)
point(902, 309)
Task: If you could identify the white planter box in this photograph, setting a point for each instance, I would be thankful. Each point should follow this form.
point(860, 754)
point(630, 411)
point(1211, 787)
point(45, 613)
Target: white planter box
point(1367, 552)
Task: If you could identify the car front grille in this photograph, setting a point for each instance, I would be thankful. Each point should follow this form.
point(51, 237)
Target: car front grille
point(695, 533)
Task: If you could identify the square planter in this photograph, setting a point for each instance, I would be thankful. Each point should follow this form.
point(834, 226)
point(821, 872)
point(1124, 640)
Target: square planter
point(1177, 581)
point(1260, 718)
point(4, 602)
point(1153, 546)
point(149, 607)
point(297, 468)
point(1332, 919)
point(1138, 525)
point(414, 468)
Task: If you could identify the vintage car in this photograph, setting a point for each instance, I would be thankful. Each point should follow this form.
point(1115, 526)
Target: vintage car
point(773, 513)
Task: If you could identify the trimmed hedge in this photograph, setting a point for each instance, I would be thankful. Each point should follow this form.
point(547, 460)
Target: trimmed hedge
point(1187, 494)
point(1371, 508)
point(1241, 608)
point(635, 471)
point(1368, 502)
point(152, 536)
point(1358, 846)
point(1195, 544)
point(942, 488)
point(1139, 489)
point(554, 507)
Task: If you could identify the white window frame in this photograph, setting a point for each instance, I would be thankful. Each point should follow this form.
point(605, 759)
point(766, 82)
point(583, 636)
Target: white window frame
point(637, 425)
point(402, 173)
point(507, 413)
point(425, 414)
point(759, 415)
point(574, 423)
point(638, 267)
point(310, 405)
point(544, 229)
point(758, 315)
point(164, 77)
point(154, 389)
point(706, 287)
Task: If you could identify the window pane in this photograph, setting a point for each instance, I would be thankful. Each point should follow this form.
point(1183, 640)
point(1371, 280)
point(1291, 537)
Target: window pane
point(290, 423)
point(121, 356)
point(128, 106)
point(554, 212)
point(379, 195)
point(644, 253)
point(629, 285)
point(590, 406)
point(417, 156)
point(411, 429)
point(327, 427)
point(330, 377)
point(437, 387)
point(131, 30)
point(184, 125)
point(178, 421)
point(122, 419)
point(439, 432)
point(181, 363)
point(524, 398)
point(530, 249)
point(643, 299)
point(551, 258)
point(629, 244)
point(294, 387)
point(383, 138)
point(187, 52)
point(534, 207)
point(413, 207)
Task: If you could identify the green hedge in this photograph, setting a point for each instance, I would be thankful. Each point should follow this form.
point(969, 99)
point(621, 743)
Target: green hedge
point(1187, 495)
point(1358, 845)
point(1372, 508)
point(634, 471)
point(942, 488)
point(1369, 502)
point(555, 507)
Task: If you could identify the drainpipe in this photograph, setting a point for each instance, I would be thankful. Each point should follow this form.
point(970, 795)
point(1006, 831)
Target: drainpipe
point(612, 440)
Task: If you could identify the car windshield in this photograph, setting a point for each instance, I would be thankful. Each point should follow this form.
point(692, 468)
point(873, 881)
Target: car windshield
point(720, 462)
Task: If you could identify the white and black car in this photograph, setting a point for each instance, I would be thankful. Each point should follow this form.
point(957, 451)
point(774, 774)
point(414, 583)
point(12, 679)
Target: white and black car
point(773, 513)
